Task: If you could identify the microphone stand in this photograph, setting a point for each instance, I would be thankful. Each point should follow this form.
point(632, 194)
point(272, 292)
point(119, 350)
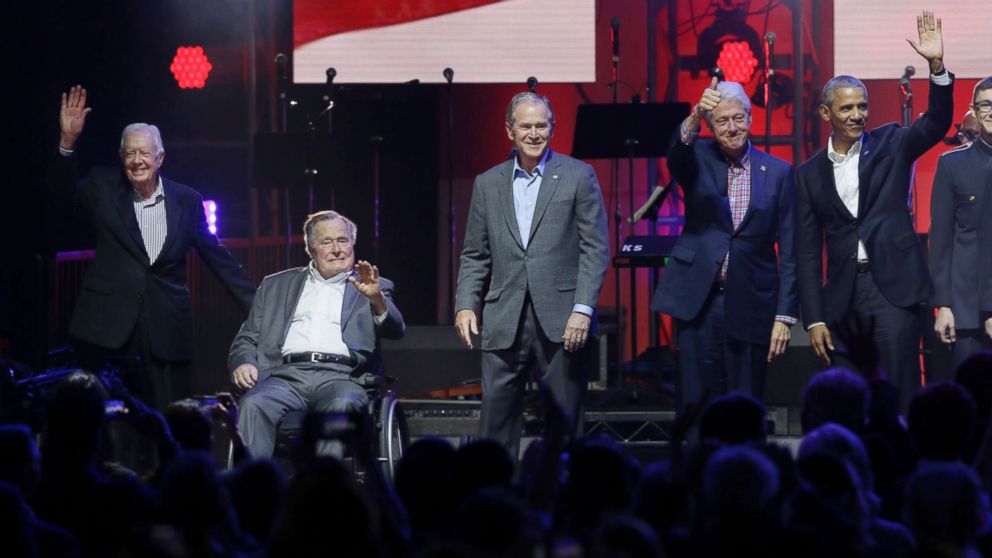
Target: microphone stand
point(769, 72)
point(906, 96)
point(449, 76)
point(617, 215)
point(376, 142)
point(634, 394)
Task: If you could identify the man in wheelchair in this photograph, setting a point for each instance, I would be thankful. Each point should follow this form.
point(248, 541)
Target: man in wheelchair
point(309, 342)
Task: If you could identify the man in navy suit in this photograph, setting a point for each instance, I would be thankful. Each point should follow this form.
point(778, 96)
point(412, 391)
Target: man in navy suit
point(732, 297)
point(853, 196)
point(961, 237)
point(134, 299)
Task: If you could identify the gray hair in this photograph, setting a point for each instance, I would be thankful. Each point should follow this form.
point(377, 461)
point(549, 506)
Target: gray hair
point(531, 98)
point(142, 128)
point(830, 89)
point(328, 215)
point(733, 91)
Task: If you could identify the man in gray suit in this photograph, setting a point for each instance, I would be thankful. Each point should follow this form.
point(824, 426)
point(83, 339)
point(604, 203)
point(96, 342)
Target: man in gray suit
point(310, 336)
point(535, 253)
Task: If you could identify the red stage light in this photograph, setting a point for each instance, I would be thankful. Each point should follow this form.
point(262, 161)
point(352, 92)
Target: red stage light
point(737, 61)
point(190, 67)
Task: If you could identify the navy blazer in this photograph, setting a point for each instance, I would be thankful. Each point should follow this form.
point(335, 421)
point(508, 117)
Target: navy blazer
point(760, 284)
point(120, 280)
point(961, 234)
point(884, 222)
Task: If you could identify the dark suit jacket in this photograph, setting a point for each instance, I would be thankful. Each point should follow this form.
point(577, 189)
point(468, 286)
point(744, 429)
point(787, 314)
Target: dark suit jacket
point(759, 284)
point(120, 281)
point(260, 340)
point(960, 234)
point(563, 265)
point(884, 222)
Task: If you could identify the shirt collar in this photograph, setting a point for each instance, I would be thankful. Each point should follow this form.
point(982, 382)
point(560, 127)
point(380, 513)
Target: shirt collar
point(158, 194)
point(338, 279)
point(841, 157)
point(538, 170)
point(983, 145)
point(743, 161)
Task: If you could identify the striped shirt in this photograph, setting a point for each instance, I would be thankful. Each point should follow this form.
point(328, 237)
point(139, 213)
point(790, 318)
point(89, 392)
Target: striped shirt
point(150, 213)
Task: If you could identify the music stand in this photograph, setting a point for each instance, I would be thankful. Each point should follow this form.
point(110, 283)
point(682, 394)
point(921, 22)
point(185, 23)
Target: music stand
point(626, 131)
point(291, 161)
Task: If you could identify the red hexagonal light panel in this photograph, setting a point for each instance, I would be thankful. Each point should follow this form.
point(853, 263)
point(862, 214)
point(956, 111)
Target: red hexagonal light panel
point(190, 67)
point(737, 61)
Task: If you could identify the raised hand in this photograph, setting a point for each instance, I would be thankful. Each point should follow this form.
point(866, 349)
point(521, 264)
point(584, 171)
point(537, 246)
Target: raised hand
point(708, 100)
point(366, 281)
point(931, 43)
point(72, 117)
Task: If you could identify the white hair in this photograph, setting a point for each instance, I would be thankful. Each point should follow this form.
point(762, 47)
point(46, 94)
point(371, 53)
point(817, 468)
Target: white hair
point(141, 128)
point(733, 91)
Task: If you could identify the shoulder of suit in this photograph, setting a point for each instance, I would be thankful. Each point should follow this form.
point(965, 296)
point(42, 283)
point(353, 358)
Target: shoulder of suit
point(284, 275)
point(386, 283)
point(105, 175)
point(180, 188)
point(884, 130)
point(957, 152)
point(769, 159)
point(813, 160)
point(495, 170)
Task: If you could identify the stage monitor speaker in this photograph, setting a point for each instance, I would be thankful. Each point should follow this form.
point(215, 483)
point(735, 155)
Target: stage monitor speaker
point(430, 358)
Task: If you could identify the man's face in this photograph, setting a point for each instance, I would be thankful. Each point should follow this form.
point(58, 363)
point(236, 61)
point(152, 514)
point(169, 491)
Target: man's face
point(731, 124)
point(531, 131)
point(847, 113)
point(982, 100)
point(332, 249)
point(141, 159)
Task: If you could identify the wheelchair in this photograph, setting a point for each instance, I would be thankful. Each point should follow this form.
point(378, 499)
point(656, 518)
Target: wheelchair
point(391, 436)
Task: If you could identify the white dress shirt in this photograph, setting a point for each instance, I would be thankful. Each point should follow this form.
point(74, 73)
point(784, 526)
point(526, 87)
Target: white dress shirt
point(316, 323)
point(846, 180)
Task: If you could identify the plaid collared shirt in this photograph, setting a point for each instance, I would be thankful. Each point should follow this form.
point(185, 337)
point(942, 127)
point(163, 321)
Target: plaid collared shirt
point(739, 192)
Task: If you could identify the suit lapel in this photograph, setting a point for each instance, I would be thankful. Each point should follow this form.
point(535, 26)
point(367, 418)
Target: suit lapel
point(348, 305)
point(292, 299)
point(759, 171)
point(549, 183)
point(173, 216)
point(720, 183)
point(867, 152)
point(506, 200)
point(826, 171)
point(125, 208)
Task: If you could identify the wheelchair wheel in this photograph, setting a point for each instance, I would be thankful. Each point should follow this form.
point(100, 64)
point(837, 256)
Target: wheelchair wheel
point(393, 434)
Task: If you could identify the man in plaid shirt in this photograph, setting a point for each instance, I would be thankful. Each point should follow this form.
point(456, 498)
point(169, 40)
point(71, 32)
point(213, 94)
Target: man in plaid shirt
point(731, 293)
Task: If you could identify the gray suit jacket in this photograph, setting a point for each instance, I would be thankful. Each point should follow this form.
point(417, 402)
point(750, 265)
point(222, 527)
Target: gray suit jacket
point(260, 340)
point(564, 262)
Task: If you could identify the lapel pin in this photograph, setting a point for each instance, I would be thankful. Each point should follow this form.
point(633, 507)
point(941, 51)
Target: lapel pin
point(554, 177)
point(764, 168)
point(971, 198)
